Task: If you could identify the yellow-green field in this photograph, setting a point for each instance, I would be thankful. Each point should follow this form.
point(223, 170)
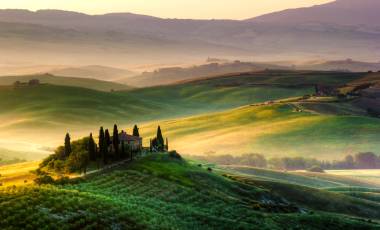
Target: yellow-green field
point(18, 174)
point(272, 130)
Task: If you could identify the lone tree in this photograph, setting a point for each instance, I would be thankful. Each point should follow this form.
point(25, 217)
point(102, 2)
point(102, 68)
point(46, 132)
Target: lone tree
point(92, 148)
point(160, 138)
point(67, 145)
point(115, 141)
point(136, 131)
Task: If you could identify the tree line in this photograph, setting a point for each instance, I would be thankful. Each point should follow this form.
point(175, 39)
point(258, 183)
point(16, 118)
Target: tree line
point(365, 160)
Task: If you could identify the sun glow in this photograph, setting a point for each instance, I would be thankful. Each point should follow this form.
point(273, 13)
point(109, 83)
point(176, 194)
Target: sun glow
point(197, 9)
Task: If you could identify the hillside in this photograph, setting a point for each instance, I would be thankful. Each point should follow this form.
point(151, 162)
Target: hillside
point(172, 75)
point(277, 130)
point(103, 73)
point(54, 110)
point(343, 65)
point(336, 12)
point(158, 192)
point(65, 81)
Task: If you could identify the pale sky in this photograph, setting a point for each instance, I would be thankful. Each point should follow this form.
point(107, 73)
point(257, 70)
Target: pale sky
point(196, 9)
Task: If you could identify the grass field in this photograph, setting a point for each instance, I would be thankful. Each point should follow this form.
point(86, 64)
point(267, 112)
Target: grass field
point(158, 192)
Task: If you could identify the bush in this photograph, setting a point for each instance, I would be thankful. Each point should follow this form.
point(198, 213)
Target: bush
point(175, 155)
point(316, 169)
point(44, 179)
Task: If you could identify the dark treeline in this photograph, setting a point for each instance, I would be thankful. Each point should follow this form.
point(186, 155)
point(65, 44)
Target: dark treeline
point(366, 160)
point(77, 156)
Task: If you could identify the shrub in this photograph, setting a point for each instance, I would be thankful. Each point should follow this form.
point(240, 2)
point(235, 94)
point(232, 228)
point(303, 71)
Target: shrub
point(44, 179)
point(175, 155)
point(316, 169)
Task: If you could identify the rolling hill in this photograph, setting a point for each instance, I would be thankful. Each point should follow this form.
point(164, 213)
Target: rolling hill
point(172, 75)
point(343, 65)
point(207, 102)
point(159, 192)
point(103, 73)
point(272, 130)
point(65, 81)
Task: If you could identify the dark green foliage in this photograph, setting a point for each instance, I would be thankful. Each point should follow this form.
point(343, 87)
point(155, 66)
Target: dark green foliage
point(116, 142)
point(160, 138)
point(107, 143)
point(316, 169)
point(44, 179)
point(102, 143)
point(136, 131)
point(158, 144)
point(123, 150)
point(92, 148)
point(67, 146)
point(175, 155)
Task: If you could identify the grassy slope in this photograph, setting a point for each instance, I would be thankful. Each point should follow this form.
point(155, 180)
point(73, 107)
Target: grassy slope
point(158, 192)
point(67, 81)
point(54, 110)
point(274, 130)
point(18, 174)
point(284, 78)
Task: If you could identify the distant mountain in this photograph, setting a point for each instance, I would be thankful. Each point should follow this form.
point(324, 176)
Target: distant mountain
point(340, 12)
point(171, 75)
point(344, 28)
point(343, 65)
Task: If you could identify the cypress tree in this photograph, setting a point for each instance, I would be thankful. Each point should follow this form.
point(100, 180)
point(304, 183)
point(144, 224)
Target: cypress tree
point(150, 146)
point(136, 131)
point(101, 143)
point(92, 148)
point(115, 141)
point(107, 143)
point(167, 144)
point(67, 145)
point(160, 139)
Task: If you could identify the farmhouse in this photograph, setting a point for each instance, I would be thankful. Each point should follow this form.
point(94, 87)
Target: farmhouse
point(134, 142)
point(324, 90)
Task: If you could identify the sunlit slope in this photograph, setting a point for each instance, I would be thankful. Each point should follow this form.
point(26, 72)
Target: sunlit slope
point(66, 81)
point(18, 174)
point(159, 192)
point(272, 130)
point(53, 110)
